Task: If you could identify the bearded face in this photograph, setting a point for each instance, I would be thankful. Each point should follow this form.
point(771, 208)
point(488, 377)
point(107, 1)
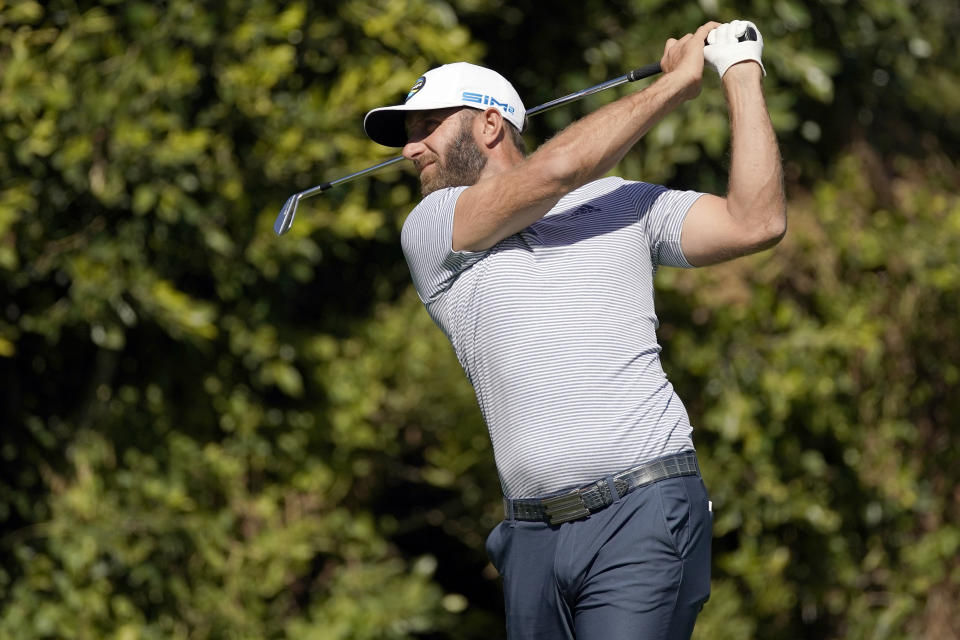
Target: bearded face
point(459, 164)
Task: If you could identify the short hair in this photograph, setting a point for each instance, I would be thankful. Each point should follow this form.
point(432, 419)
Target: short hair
point(517, 138)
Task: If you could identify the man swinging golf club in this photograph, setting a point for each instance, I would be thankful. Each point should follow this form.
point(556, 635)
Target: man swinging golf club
point(539, 271)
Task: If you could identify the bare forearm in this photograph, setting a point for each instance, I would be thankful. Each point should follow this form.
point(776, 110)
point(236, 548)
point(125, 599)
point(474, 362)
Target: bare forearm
point(756, 195)
point(592, 146)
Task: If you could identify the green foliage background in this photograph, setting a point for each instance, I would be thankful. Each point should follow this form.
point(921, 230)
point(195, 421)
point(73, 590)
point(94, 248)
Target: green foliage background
point(211, 432)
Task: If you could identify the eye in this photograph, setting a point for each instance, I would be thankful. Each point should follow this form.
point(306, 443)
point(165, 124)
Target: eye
point(423, 128)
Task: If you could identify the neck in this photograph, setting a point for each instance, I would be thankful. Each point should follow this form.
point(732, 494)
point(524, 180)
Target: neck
point(501, 160)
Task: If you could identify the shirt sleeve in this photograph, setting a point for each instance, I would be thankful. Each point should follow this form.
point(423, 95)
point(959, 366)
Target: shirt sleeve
point(427, 240)
point(662, 213)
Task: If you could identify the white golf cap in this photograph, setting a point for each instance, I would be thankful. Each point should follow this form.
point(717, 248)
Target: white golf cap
point(452, 85)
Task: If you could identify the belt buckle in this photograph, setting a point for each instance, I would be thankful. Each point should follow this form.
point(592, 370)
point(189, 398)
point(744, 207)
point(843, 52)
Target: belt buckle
point(565, 508)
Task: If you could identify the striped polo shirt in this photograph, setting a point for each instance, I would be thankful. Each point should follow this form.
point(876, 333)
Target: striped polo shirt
point(555, 329)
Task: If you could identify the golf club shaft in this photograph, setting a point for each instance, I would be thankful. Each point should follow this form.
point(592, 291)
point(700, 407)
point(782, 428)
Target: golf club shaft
point(636, 74)
point(285, 219)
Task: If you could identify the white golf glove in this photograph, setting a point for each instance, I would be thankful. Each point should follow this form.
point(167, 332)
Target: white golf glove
point(731, 43)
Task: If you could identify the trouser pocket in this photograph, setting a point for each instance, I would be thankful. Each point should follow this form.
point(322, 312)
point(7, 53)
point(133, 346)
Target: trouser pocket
point(494, 547)
point(685, 510)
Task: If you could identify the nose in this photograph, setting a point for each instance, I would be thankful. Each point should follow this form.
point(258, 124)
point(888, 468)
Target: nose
point(413, 149)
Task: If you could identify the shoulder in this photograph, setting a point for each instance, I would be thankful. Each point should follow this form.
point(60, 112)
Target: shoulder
point(439, 200)
point(429, 227)
point(435, 205)
point(612, 191)
point(614, 186)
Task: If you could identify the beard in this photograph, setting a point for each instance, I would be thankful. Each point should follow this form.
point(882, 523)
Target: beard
point(460, 166)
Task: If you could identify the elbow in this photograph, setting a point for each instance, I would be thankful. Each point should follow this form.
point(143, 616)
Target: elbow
point(762, 230)
point(779, 222)
point(775, 228)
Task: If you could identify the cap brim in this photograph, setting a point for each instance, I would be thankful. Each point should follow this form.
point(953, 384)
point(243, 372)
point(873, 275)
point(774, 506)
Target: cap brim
point(386, 126)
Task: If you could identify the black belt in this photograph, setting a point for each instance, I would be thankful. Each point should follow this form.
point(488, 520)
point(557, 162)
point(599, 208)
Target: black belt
point(581, 502)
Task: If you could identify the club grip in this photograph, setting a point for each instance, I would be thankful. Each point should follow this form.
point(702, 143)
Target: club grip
point(645, 71)
point(653, 69)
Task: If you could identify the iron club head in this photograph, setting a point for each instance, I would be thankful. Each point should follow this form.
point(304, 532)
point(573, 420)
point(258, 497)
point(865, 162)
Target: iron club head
point(285, 219)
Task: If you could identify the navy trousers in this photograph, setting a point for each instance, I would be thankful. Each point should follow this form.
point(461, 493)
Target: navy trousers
point(639, 569)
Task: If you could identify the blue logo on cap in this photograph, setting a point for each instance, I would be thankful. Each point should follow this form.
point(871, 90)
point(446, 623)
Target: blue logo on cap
point(481, 98)
point(422, 80)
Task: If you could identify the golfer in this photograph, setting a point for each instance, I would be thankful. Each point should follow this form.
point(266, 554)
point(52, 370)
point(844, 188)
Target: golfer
point(539, 270)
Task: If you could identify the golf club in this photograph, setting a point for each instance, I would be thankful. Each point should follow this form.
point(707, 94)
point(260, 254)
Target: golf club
point(285, 219)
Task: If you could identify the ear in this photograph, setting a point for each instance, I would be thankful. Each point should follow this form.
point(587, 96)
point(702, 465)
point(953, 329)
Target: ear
point(491, 127)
